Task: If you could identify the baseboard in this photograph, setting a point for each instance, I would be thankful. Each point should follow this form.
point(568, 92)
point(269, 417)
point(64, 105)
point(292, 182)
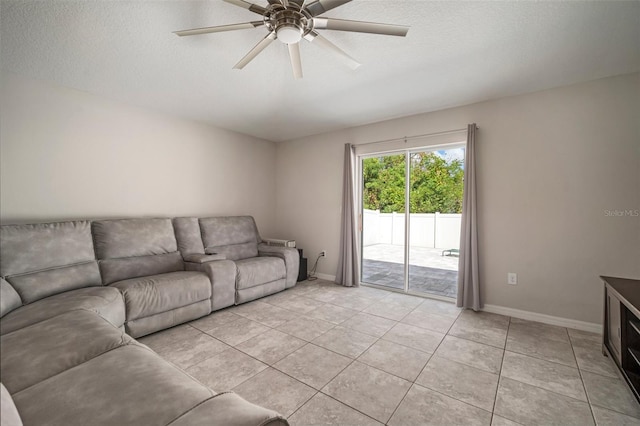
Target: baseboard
point(547, 319)
point(326, 277)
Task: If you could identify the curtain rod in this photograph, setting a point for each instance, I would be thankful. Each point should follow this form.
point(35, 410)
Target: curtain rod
point(406, 138)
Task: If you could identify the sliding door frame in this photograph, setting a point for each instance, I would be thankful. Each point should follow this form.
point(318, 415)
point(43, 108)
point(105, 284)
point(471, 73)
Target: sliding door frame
point(407, 216)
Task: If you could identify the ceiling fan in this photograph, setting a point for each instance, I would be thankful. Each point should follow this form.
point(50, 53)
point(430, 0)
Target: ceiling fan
point(290, 21)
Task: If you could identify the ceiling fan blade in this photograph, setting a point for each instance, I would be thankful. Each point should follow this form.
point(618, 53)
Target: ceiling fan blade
point(256, 50)
point(300, 3)
point(359, 26)
point(274, 1)
point(219, 29)
point(319, 7)
point(246, 5)
point(316, 38)
point(296, 62)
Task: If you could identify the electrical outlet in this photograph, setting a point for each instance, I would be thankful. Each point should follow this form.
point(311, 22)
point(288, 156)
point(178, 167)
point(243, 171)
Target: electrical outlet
point(512, 278)
point(323, 253)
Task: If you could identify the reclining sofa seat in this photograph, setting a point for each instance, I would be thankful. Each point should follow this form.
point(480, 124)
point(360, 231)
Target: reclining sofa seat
point(140, 258)
point(240, 266)
point(48, 269)
point(260, 270)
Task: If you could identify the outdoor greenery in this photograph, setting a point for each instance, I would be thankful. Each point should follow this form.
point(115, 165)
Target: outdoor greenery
point(436, 184)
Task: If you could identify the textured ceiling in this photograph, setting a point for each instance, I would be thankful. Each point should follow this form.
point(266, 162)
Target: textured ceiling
point(455, 53)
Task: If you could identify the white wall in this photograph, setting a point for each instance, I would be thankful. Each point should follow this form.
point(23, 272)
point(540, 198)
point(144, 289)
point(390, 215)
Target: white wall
point(66, 154)
point(550, 164)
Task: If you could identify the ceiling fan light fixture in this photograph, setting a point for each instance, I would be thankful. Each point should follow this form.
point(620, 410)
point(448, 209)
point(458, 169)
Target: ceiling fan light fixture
point(292, 20)
point(289, 34)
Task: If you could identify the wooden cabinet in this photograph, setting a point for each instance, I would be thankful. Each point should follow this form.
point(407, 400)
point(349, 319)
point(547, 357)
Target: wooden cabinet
point(622, 327)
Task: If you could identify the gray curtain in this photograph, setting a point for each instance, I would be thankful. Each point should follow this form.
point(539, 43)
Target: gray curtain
point(468, 276)
point(348, 272)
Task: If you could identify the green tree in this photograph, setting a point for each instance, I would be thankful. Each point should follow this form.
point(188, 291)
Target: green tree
point(384, 183)
point(436, 184)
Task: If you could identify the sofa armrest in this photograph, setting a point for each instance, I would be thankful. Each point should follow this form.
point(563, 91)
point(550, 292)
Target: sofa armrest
point(9, 298)
point(291, 260)
point(203, 258)
point(9, 412)
point(228, 409)
point(222, 274)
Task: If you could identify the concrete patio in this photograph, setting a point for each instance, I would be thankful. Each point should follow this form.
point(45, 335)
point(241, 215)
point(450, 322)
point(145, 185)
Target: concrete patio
point(429, 271)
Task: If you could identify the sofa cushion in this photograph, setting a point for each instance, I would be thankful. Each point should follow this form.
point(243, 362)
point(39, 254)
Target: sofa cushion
point(132, 267)
point(188, 235)
point(105, 301)
point(133, 237)
point(8, 412)
point(155, 294)
point(28, 248)
point(228, 409)
point(130, 385)
point(44, 259)
point(235, 237)
point(42, 350)
point(9, 298)
point(131, 248)
point(259, 270)
point(38, 285)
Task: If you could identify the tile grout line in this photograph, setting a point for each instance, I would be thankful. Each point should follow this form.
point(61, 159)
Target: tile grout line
point(413, 383)
point(311, 343)
point(584, 386)
point(461, 363)
point(303, 404)
point(548, 390)
point(353, 408)
point(356, 359)
point(495, 398)
point(544, 360)
point(591, 404)
point(280, 371)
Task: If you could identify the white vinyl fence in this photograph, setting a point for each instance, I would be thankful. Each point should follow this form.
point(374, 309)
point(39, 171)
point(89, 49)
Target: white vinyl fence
point(432, 230)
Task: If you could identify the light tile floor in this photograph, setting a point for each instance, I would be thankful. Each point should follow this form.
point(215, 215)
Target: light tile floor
point(321, 354)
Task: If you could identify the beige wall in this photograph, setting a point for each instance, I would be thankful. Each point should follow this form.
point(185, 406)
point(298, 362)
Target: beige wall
point(550, 164)
point(66, 154)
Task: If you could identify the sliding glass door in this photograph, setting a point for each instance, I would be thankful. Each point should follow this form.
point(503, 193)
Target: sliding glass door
point(411, 217)
point(383, 224)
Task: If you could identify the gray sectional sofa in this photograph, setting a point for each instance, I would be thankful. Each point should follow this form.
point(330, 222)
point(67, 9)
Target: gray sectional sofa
point(75, 295)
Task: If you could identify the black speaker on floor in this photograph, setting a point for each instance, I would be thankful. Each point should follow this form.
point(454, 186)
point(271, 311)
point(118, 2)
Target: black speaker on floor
point(302, 272)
